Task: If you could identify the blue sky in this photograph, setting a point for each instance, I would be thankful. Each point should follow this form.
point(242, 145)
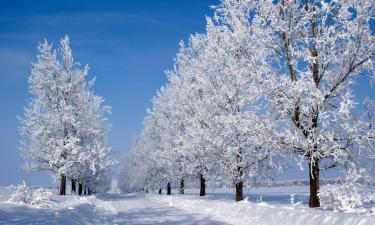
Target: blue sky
point(128, 44)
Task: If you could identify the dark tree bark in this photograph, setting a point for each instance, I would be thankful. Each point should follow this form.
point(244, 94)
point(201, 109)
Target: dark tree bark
point(85, 190)
point(62, 184)
point(73, 187)
point(314, 185)
point(239, 191)
point(159, 191)
point(80, 188)
point(169, 189)
point(182, 186)
point(203, 186)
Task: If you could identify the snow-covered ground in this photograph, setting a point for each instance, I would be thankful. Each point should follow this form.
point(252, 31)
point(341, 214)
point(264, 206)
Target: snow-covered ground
point(60, 210)
point(100, 209)
point(263, 206)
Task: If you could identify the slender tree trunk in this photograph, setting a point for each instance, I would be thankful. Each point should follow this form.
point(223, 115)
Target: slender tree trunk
point(203, 186)
point(169, 189)
point(62, 184)
point(314, 185)
point(80, 188)
point(239, 181)
point(159, 191)
point(239, 191)
point(73, 187)
point(182, 186)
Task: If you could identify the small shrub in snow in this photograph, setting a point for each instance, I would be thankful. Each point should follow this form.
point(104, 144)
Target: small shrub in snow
point(292, 201)
point(19, 194)
point(340, 197)
point(40, 196)
point(345, 195)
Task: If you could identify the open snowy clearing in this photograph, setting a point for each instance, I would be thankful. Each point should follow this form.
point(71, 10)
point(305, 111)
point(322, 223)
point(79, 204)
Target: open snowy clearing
point(263, 206)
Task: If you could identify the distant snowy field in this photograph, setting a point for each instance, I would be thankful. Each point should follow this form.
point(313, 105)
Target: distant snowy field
point(262, 206)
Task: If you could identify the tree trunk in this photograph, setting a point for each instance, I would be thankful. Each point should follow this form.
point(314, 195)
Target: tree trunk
point(62, 184)
point(169, 189)
point(239, 191)
point(85, 190)
point(182, 186)
point(73, 187)
point(203, 186)
point(159, 191)
point(80, 188)
point(314, 185)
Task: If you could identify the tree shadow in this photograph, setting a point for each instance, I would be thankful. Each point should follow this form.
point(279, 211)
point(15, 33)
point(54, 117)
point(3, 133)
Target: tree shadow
point(117, 197)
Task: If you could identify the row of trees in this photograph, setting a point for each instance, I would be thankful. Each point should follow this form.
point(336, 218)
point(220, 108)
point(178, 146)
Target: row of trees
point(267, 81)
point(64, 126)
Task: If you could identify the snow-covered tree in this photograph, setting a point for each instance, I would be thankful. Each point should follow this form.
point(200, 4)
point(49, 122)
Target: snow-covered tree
point(235, 123)
point(64, 129)
point(310, 55)
point(142, 167)
point(369, 116)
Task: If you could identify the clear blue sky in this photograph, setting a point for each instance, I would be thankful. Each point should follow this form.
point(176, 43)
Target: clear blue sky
point(128, 44)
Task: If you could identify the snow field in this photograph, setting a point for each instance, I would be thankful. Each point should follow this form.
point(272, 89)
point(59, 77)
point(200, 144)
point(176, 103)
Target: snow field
point(220, 205)
point(262, 206)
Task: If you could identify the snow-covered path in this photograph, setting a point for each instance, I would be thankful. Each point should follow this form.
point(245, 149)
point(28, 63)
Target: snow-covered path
point(137, 209)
